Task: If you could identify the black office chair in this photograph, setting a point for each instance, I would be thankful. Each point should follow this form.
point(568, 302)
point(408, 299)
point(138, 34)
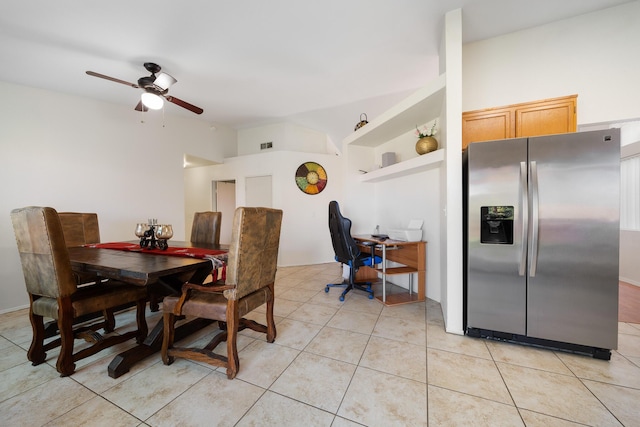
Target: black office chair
point(347, 252)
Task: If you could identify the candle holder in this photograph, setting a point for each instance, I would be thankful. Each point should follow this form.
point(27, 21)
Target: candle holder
point(153, 235)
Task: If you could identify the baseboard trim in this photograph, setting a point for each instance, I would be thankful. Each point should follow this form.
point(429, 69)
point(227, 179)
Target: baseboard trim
point(9, 310)
point(629, 281)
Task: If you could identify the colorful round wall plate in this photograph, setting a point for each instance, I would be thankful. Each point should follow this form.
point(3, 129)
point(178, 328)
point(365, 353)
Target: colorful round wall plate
point(311, 178)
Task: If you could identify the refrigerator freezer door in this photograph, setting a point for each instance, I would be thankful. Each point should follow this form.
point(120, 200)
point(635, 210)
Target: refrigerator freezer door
point(573, 294)
point(496, 280)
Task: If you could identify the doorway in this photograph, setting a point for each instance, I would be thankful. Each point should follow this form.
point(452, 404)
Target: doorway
point(223, 199)
point(258, 192)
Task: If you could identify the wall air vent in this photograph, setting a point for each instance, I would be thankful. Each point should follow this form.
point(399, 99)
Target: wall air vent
point(266, 145)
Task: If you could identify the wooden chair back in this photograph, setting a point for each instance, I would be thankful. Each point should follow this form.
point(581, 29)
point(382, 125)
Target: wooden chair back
point(253, 254)
point(43, 252)
point(206, 227)
point(79, 228)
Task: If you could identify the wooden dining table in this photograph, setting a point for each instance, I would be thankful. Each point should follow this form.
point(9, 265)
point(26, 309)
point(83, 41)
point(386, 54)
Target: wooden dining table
point(160, 272)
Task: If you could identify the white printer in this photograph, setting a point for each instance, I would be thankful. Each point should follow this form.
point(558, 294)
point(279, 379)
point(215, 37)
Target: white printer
point(413, 232)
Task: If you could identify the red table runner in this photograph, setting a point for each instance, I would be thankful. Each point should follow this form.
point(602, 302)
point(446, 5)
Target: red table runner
point(217, 257)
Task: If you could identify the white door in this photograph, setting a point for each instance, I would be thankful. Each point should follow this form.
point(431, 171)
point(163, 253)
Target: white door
point(258, 191)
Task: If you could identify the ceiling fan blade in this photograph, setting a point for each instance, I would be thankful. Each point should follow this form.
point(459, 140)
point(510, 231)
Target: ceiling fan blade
point(141, 107)
point(113, 79)
point(164, 81)
point(184, 104)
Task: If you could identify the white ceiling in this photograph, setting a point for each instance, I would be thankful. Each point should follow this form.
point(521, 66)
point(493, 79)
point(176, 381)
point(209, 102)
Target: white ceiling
point(247, 62)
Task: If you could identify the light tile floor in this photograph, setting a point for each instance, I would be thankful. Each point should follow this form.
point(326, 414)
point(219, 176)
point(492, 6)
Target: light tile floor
point(334, 364)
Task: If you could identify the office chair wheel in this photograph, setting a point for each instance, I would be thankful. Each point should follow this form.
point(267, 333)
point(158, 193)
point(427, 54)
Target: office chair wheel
point(326, 289)
point(341, 297)
point(370, 296)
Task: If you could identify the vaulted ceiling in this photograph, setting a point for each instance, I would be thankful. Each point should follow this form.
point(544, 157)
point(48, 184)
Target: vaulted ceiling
point(248, 62)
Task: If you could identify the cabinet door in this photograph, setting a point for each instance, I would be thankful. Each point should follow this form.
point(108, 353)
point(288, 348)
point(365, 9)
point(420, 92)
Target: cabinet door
point(544, 117)
point(487, 125)
point(547, 117)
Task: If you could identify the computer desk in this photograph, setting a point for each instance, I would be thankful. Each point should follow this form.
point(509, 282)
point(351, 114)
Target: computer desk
point(412, 256)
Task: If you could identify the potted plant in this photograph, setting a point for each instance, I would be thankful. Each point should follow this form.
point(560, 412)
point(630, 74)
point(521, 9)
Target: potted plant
point(426, 142)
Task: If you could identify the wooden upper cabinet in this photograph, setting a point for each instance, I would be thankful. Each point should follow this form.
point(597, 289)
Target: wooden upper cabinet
point(547, 117)
point(544, 117)
point(487, 125)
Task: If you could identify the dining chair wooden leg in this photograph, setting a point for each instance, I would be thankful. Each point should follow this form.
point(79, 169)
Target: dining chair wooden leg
point(168, 336)
point(65, 365)
point(233, 321)
point(271, 324)
point(36, 353)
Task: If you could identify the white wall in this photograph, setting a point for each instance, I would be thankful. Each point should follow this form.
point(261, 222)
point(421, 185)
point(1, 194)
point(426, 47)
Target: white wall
point(393, 203)
point(402, 199)
point(451, 195)
point(76, 154)
point(284, 136)
point(197, 196)
point(305, 234)
point(434, 195)
point(593, 55)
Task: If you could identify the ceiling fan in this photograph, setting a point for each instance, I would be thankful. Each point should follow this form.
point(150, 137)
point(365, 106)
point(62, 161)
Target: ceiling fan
point(155, 88)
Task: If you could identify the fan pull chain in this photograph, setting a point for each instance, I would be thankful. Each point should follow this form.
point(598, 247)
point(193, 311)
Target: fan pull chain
point(141, 112)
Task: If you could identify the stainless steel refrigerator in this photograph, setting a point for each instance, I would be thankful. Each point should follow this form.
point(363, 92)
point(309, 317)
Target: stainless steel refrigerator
point(542, 240)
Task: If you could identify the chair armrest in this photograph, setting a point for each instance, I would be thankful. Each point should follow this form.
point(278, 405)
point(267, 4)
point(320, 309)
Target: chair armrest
point(207, 287)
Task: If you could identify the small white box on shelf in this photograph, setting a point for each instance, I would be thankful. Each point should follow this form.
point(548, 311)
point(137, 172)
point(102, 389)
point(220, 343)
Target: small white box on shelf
point(413, 232)
point(388, 159)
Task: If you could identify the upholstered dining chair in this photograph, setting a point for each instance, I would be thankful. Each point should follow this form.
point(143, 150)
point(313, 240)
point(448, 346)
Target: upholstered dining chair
point(79, 229)
point(206, 227)
point(54, 293)
point(250, 277)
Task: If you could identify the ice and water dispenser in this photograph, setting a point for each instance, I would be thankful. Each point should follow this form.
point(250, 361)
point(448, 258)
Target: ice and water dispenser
point(496, 226)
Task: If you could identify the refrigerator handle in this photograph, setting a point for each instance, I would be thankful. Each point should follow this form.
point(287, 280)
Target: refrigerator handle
point(524, 208)
point(534, 219)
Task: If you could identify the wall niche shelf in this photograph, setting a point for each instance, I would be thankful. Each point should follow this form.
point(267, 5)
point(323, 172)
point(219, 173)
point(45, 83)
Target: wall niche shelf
point(423, 105)
point(407, 167)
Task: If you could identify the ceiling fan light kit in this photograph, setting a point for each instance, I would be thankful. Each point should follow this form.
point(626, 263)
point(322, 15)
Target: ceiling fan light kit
point(151, 100)
point(164, 81)
point(155, 89)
